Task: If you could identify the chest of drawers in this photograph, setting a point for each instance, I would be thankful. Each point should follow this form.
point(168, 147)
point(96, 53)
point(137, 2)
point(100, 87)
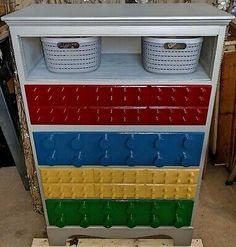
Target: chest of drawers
point(119, 151)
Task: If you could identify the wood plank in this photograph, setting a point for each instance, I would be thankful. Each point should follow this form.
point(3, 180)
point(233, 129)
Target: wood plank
point(229, 52)
point(226, 134)
point(2, 9)
point(228, 85)
point(89, 242)
point(214, 123)
point(232, 161)
point(4, 32)
point(230, 44)
point(10, 85)
point(224, 138)
point(232, 28)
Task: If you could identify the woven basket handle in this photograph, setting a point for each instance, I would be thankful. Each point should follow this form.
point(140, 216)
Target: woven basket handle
point(68, 45)
point(175, 46)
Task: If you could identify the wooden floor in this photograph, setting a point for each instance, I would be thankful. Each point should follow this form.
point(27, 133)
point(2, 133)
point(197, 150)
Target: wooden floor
point(43, 242)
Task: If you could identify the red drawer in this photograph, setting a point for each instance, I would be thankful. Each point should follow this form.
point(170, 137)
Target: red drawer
point(117, 116)
point(115, 105)
point(69, 95)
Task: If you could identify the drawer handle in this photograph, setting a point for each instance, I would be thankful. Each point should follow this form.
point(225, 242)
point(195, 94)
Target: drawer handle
point(77, 160)
point(84, 221)
point(105, 160)
point(104, 143)
point(49, 143)
point(185, 159)
point(175, 46)
point(76, 143)
point(130, 161)
point(68, 45)
point(108, 221)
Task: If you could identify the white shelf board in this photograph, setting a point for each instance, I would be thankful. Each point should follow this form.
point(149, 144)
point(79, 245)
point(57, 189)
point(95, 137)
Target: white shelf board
point(115, 69)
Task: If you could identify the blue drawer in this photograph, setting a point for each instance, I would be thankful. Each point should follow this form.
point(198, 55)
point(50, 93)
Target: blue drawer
point(114, 148)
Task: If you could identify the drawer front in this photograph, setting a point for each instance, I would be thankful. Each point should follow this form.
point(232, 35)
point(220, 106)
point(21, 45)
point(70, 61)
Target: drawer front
point(117, 183)
point(70, 95)
point(114, 105)
point(110, 213)
point(114, 148)
point(105, 175)
point(119, 191)
point(119, 116)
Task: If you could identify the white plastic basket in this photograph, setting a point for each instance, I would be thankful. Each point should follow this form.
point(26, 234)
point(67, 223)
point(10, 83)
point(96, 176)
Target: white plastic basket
point(68, 55)
point(171, 55)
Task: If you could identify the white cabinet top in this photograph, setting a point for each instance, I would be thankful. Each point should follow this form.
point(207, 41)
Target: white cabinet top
point(118, 14)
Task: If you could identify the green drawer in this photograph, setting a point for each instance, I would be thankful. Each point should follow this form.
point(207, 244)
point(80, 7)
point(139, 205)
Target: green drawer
point(110, 213)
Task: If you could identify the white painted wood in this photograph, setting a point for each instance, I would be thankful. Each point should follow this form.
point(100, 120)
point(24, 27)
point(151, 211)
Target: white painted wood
point(121, 45)
point(126, 167)
point(208, 54)
point(115, 30)
point(215, 79)
point(120, 62)
point(115, 69)
point(31, 51)
point(171, 13)
point(19, 59)
point(120, 128)
point(218, 54)
point(134, 21)
point(83, 242)
point(181, 236)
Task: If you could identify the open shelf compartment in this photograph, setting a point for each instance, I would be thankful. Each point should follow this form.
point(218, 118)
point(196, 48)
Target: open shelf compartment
point(121, 62)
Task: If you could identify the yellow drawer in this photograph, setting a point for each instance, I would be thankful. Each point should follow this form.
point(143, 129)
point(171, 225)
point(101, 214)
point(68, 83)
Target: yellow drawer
point(119, 191)
point(118, 183)
point(119, 175)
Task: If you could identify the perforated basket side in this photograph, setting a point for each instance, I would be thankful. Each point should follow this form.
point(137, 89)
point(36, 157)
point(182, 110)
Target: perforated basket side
point(158, 59)
point(84, 58)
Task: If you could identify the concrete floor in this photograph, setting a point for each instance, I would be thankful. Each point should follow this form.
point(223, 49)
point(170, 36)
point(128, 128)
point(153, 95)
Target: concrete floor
point(215, 223)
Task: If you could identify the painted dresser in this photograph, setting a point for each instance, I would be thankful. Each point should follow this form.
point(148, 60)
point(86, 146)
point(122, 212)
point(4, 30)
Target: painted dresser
point(119, 151)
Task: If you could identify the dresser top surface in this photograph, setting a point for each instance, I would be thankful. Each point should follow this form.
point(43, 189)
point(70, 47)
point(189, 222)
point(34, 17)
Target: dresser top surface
point(118, 13)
